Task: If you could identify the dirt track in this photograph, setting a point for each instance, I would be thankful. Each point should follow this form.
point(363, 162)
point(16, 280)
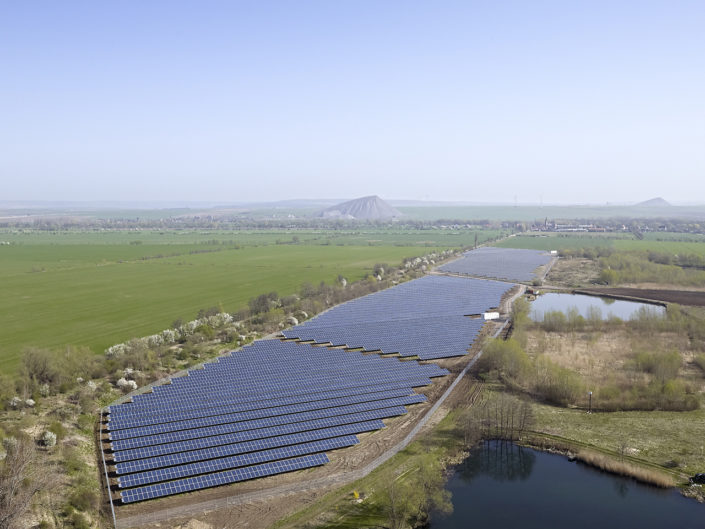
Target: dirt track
point(682, 297)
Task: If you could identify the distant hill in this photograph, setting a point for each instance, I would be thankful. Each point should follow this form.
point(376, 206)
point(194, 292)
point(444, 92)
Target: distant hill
point(365, 208)
point(654, 203)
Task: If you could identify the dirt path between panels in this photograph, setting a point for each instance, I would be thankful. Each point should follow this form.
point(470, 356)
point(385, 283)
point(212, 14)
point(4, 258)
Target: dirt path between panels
point(260, 503)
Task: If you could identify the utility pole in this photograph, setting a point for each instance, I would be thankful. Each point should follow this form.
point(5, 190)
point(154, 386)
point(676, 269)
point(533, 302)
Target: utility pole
point(589, 401)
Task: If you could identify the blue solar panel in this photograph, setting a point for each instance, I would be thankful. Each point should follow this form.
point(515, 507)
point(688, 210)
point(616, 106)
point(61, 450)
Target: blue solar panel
point(290, 382)
point(215, 465)
point(221, 478)
point(244, 447)
point(423, 318)
point(181, 435)
point(273, 406)
point(250, 435)
point(187, 421)
point(501, 263)
point(242, 404)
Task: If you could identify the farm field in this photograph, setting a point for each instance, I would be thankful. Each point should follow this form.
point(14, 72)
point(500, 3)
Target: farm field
point(91, 302)
point(98, 288)
point(538, 213)
point(674, 243)
point(367, 237)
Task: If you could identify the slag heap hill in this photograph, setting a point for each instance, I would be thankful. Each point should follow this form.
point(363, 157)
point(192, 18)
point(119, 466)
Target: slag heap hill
point(365, 208)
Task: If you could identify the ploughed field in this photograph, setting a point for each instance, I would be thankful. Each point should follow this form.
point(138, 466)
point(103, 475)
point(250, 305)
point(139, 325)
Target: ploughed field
point(682, 297)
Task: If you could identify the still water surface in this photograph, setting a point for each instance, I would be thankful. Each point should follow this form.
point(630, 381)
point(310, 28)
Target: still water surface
point(606, 306)
point(502, 485)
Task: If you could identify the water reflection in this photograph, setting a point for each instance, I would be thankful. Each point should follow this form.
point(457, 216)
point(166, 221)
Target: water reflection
point(621, 485)
point(501, 485)
point(590, 307)
point(500, 460)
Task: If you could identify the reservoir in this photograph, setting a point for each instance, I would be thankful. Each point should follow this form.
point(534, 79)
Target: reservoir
point(502, 485)
point(587, 305)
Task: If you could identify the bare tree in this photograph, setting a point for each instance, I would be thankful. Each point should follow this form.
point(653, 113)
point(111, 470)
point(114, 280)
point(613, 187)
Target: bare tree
point(396, 505)
point(502, 417)
point(622, 448)
point(20, 481)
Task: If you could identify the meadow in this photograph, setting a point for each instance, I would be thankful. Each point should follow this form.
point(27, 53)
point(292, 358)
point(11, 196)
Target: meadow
point(98, 288)
point(537, 213)
point(673, 243)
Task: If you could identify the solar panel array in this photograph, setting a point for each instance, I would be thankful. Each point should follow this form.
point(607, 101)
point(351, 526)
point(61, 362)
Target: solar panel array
point(426, 317)
point(269, 408)
point(500, 263)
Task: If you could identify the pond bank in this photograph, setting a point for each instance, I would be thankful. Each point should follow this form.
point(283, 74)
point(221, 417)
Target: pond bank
point(506, 485)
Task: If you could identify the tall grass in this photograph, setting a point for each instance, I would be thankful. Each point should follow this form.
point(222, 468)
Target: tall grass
point(622, 468)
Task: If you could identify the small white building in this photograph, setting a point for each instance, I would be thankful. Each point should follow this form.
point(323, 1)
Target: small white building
point(491, 315)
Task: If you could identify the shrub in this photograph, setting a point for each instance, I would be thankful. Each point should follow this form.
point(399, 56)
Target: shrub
point(40, 366)
point(700, 361)
point(206, 331)
point(554, 321)
point(663, 365)
point(556, 384)
point(79, 521)
point(85, 497)
point(48, 439)
point(71, 460)
point(57, 429)
point(507, 358)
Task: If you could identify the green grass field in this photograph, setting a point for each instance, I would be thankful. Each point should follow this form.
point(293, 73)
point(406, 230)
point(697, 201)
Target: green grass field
point(673, 243)
point(362, 237)
point(83, 297)
point(658, 436)
point(95, 289)
point(539, 213)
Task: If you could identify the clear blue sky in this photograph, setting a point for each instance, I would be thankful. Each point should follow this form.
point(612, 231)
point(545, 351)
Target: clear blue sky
point(561, 101)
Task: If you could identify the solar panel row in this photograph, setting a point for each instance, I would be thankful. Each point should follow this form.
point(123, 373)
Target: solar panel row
point(276, 406)
point(501, 263)
point(222, 478)
point(184, 445)
point(234, 403)
point(423, 318)
point(249, 415)
point(226, 463)
point(181, 435)
point(192, 456)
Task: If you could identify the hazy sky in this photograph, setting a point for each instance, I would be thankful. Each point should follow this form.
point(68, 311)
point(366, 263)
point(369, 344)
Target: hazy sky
point(561, 101)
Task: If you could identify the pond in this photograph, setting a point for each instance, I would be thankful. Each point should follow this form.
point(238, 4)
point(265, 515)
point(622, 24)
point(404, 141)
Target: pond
point(590, 305)
point(502, 485)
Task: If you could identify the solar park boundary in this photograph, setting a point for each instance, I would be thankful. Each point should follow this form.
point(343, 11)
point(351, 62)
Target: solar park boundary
point(276, 335)
point(187, 510)
point(389, 454)
point(437, 272)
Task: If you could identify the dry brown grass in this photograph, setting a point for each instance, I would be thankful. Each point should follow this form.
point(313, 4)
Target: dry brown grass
point(608, 355)
point(623, 468)
point(573, 273)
